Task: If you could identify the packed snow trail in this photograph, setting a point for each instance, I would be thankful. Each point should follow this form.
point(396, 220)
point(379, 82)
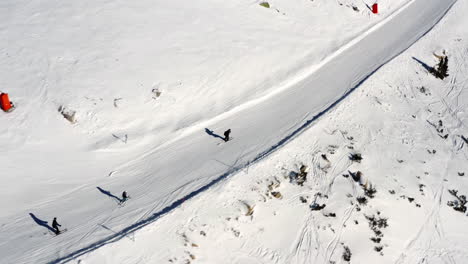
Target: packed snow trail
point(162, 180)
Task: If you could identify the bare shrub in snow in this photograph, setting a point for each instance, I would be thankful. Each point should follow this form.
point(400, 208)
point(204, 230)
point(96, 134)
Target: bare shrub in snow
point(376, 223)
point(362, 200)
point(369, 190)
point(355, 157)
point(302, 199)
point(329, 215)
point(459, 204)
point(346, 254)
point(378, 248)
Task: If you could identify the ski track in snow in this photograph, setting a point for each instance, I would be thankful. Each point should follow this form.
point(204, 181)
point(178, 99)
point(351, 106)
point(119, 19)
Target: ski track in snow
point(303, 246)
point(421, 247)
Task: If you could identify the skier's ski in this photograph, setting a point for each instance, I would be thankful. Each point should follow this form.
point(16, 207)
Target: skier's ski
point(122, 203)
point(61, 232)
point(225, 141)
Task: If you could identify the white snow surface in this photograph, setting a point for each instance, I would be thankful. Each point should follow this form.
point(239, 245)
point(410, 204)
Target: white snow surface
point(282, 79)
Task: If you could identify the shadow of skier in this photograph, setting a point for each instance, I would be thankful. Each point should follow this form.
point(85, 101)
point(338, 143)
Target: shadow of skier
point(109, 194)
point(41, 222)
point(213, 134)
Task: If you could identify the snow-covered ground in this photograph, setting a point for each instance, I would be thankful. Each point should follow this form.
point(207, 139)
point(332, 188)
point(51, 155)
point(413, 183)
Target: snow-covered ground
point(106, 60)
point(408, 161)
point(265, 74)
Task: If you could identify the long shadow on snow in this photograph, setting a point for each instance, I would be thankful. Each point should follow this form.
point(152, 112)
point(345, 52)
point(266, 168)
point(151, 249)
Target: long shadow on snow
point(425, 66)
point(41, 222)
point(109, 194)
point(213, 134)
point(140, 224)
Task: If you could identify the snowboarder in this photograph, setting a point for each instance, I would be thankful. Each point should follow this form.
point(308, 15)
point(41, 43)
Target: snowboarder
point(124, 197)
point(55, 226)
point(226, 135)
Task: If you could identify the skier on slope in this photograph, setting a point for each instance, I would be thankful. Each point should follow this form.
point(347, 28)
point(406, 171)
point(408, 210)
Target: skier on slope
point(226, 135)
point(55, 226)
point(124, 197)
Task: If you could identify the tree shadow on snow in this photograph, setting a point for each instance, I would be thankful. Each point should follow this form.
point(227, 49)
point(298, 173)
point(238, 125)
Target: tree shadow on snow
point(213, 134)
point(41, 222)
point(425, 66)
point(109, 194)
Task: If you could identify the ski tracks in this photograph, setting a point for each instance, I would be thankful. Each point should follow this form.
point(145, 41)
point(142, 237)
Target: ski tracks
point(431, 232)
point(303, 247)
point(331, 247)
point(424, 245)
point(308, 238)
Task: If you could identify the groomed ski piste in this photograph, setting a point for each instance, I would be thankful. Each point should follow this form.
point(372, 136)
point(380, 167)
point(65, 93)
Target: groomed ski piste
point(149, 116)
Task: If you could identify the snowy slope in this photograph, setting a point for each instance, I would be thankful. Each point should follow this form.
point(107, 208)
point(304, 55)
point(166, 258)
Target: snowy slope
point(54, 170)
point(103, 59)
point(409, 162)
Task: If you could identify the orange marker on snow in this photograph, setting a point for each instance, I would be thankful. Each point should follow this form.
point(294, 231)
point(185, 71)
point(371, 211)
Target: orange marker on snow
point(5, 103)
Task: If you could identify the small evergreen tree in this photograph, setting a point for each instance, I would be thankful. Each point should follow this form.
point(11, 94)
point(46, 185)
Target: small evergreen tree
point(440, 71)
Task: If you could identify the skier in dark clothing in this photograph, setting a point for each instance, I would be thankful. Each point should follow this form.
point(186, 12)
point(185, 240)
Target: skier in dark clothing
point(124, 197)
point(55, 226)
point(226, 135)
